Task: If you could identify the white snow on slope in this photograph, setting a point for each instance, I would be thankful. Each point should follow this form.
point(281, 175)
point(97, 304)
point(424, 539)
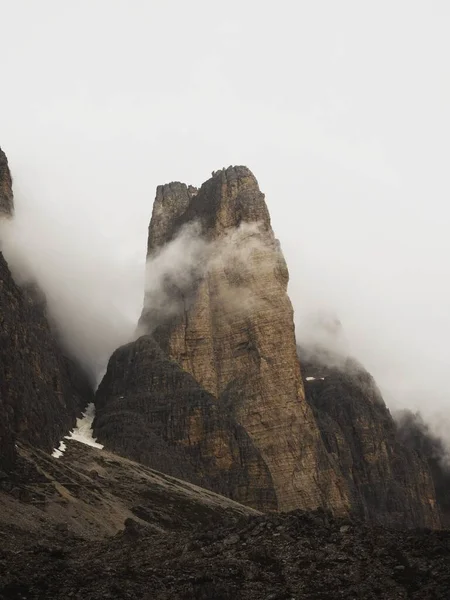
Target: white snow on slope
point(314, 378)
point(57, 452)
point(81, 433)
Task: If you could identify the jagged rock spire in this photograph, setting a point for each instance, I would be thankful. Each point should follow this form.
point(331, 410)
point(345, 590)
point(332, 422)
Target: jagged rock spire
point(235, 334)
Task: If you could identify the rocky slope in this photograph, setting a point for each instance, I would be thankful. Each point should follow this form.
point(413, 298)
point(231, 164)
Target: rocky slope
point(41, 390)
point(388, 481)
point(93, 525)
point(94, 494)
point(279, 557)
point(232, 330)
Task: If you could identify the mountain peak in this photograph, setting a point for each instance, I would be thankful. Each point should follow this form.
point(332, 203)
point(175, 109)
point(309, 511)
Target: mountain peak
point(230, 197)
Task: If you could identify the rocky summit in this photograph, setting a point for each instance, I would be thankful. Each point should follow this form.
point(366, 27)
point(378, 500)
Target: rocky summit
point(220, 458)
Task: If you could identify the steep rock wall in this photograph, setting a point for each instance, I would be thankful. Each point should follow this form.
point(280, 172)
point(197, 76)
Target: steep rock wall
point(389, 483)
point(41, 390)
point(416, 435)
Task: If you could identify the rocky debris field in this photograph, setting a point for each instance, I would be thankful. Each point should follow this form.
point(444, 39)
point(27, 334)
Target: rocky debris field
point(289, 556)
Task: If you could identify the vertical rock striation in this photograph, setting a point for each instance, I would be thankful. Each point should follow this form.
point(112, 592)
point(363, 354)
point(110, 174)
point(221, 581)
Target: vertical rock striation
point(233, 332)
point(236, 336)
point(150, 410)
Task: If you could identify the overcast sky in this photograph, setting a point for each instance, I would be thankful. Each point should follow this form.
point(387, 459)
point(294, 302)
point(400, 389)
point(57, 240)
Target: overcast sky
point(341, 109)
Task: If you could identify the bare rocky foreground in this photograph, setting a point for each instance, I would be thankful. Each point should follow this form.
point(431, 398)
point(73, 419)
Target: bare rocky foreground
point(92, 525)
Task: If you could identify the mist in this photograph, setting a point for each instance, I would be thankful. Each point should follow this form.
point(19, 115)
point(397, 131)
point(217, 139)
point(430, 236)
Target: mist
point(341, 111)
point(91, 295)
point(174, 271)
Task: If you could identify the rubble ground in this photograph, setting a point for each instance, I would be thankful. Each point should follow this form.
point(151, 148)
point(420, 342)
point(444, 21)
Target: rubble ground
point(288, 556)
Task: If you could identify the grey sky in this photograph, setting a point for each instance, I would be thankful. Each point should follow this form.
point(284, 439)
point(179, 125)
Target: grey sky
point(341, 109)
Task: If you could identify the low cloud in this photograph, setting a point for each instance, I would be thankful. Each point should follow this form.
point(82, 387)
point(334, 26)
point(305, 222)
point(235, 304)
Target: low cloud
point(239, 258)
point(91, 294)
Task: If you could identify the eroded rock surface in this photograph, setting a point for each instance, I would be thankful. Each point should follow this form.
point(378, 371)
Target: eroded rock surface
point(389, 482)
point(152, 411)
point(416, 435)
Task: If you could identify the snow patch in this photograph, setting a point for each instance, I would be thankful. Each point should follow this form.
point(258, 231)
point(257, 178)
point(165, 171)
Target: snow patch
point(81, 433)
point(314, 378)
point(57, 452)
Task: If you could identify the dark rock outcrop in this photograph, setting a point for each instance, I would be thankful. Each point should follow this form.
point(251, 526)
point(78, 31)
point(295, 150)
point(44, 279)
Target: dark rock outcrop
point(416, 434)
point(388, 482)
point(152, 411)
point(232, 330)
point(41, 390)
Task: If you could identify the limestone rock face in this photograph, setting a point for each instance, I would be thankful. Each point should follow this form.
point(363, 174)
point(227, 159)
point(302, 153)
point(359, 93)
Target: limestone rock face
point(389, 483)
point(41, 391)
point(233, 332)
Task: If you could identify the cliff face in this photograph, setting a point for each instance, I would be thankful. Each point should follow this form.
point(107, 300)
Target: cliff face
point(41, 391)
point(416, 435)
point(388, 482)
point(233, 332)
